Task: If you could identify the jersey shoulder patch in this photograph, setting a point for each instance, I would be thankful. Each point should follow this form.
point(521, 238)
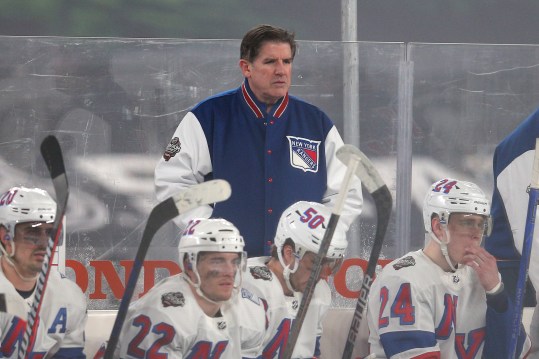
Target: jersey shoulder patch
point(407, 261)
point(172, 148)
point(247, 294)
point(173, 299)
point(261, 272)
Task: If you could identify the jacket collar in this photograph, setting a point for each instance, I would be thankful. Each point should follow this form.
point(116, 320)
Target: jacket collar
point(258, 107)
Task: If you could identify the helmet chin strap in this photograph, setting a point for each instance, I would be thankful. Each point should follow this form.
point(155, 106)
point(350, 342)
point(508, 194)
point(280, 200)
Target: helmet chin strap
point(287, 270)
point(9, 259)
point(286, 274)
point(443, 247)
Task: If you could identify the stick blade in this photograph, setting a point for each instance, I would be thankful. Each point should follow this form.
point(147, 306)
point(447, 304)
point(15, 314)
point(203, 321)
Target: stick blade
point(204, 193)
point(52, 154)
point(367, 173)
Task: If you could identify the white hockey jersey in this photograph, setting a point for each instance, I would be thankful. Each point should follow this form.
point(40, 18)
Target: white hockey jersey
point(283, 309)
point(168, 322)
point(416, 308)
point(62, 321)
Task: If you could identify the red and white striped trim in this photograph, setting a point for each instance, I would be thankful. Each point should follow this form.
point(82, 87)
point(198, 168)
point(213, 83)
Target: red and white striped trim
point(258, 113)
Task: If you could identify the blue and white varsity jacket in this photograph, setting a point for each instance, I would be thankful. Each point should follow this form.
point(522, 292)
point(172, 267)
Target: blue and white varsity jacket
point(271, 161)
point(513, 161)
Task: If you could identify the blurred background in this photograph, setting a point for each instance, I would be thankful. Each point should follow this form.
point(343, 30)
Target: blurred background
point(441, 21)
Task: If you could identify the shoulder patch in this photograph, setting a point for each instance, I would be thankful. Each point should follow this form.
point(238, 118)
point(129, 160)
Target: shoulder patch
point(247, 294)
point(404, 262)
point(261, 272)
point(172, 148)
point(174, 299)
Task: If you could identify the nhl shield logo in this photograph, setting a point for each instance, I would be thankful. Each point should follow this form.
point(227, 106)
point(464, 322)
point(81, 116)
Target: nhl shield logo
point(304, 153)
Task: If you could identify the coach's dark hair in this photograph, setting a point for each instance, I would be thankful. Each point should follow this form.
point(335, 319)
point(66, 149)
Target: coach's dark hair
point(254, 38)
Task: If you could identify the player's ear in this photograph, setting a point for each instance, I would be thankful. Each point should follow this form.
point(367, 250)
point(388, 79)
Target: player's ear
point(4, 236)
point(288, 254)
point(187, 264)
point(436, 226)
point(5, 239)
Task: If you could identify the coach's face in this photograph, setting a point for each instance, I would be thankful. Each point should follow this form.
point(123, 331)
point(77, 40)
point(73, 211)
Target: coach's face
point(269, 75)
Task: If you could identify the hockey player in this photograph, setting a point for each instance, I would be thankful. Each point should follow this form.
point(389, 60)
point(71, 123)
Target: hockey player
point(26, 222)
point(446, 300)
point(195, 314)
point(281, 279)
point(285, 145)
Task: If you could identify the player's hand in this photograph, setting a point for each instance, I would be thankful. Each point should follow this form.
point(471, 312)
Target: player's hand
point(484, 265)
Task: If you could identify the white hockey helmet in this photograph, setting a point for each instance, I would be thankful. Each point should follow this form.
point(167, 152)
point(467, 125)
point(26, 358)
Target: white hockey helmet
point(21, 204)
point(305, 224)
point(209, 235)
point(448, 196)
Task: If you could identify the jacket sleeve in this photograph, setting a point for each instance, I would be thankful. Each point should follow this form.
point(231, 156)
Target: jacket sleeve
point(185, 163)
point(335, 173)
point(500, 309)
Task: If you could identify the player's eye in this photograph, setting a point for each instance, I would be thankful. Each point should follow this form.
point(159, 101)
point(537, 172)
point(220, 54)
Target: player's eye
point(473, 224)
point(237, 262)
point(217, 261)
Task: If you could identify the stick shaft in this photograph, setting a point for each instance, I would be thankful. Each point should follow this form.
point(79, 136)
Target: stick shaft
point(383, 201)
point(52, 154)
point(322, 252)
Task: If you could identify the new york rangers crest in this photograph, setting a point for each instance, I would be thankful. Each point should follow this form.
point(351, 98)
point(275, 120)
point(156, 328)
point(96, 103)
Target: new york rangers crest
point(304, 153)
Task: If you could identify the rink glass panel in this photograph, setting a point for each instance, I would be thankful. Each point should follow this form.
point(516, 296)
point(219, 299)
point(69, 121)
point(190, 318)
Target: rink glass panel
point(115, 103)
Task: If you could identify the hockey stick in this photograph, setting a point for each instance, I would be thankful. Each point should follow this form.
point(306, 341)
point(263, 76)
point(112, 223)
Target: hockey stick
point(352, 163)
point(526, 251)
point(192, 197)
point(52, 153)
point(373, 183)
